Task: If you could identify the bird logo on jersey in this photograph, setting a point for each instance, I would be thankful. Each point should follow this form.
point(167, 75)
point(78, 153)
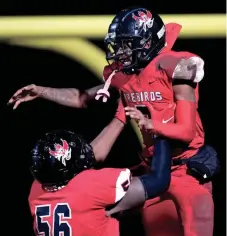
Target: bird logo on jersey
point(144, 19)
point(62, 152)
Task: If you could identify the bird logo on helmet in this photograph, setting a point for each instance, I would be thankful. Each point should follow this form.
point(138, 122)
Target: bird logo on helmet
point(144, 19)
point(62, 152)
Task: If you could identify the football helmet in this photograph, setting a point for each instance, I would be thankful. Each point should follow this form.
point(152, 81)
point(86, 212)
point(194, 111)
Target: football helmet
point(58, 156)
point(135, 36)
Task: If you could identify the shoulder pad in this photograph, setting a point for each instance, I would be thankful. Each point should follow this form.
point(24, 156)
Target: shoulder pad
point(182, 65)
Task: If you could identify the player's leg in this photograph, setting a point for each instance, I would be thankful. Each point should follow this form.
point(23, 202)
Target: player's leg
point(194, 202)
point(193, 205)
point(161, 218)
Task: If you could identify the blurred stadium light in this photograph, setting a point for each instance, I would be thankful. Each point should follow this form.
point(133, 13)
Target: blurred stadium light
point(200, 25)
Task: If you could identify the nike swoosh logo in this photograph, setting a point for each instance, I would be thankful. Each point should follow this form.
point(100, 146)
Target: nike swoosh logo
point(151, 82)
point(166, 121)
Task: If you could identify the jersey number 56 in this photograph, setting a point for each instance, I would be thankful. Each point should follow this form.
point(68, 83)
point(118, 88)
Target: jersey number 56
point(60, 214)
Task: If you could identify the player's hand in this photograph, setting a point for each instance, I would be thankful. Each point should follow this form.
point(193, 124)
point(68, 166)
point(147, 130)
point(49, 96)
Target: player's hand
point(25, 94)
point(142, 121)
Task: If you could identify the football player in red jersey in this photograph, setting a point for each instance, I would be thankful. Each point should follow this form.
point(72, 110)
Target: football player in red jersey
point(69, 195)
point(154, 78)
point(163, 84)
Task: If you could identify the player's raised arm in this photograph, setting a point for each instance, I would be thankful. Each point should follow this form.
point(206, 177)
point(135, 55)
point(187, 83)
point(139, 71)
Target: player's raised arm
point(71, 97)
point(105, 140)
point(150, 185)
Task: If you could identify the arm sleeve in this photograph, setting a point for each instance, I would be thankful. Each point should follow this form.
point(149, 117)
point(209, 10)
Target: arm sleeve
point(157, 182)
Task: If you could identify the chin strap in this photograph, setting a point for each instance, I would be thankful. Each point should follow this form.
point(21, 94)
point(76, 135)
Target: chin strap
point(104, 91)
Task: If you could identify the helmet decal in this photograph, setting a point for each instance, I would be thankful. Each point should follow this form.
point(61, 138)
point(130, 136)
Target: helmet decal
point(144, 19)
point(61, 152)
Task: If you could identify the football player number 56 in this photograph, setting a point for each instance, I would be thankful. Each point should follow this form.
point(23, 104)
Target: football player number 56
point(60, 214)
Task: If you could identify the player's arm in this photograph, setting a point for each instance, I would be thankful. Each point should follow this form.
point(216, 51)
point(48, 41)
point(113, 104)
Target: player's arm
point(103, 143)
point(105, 140)
point(71, 97)
point(185, 73)
point(150, 185)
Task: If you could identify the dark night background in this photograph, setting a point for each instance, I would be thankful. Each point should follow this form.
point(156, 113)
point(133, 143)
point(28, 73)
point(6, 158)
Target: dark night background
point(21, 66)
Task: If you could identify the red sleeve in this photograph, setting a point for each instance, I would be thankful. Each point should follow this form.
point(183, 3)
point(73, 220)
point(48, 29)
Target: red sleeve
point(113, 185)
point(184, 128)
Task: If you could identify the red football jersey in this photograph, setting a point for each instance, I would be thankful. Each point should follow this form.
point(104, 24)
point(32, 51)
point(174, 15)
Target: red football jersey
point(153, 89)
point(78, 209)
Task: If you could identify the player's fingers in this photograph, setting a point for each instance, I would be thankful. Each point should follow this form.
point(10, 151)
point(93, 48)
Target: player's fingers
point(128, 113)
point(130, 109)
point(14, 99)
point(137, 112)
point(20, 100)
point(11, 100)
point(132, 114)
point(140, 125)
point(134, 109)
point(135, 117)
point(19, 94)
point(15, 95)
point(29, 87)
point(20, 91)
point(17, 103)
point(141, 122)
